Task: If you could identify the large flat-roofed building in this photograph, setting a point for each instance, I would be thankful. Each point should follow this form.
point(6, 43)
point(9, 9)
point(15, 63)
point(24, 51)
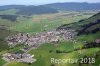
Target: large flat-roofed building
point(28, 58)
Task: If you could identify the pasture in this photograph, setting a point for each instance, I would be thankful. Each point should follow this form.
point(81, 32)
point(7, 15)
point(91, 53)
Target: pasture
point(44, 53)
point(39, 23)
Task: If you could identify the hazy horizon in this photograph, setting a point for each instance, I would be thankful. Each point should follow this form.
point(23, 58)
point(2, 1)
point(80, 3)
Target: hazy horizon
point(41, 2)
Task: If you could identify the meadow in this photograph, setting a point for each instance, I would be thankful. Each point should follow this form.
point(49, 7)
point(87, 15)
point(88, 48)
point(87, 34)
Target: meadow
point(39, 23)
point(44, 57)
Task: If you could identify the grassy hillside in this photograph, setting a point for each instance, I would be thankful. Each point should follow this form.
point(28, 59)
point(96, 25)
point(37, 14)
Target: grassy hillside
point(43, 55)
point(8, 12)
point(84, 26)
point(91, 25)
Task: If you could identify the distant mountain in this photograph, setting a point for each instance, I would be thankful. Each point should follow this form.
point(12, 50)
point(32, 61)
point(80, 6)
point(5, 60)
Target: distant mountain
point(51, 8)
point(87, 26)
point(72, 6)
point(6, 7)
point(29, 10)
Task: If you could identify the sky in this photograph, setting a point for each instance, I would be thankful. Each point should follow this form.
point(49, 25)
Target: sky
point(40, 2)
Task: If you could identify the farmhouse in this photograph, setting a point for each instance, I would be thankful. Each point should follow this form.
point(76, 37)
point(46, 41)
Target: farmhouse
point(97, 40)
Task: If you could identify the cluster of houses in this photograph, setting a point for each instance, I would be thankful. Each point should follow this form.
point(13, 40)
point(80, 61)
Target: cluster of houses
point(27, 58)
point(40, 38)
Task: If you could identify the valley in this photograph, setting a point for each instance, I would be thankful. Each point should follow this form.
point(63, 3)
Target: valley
point(48, 34)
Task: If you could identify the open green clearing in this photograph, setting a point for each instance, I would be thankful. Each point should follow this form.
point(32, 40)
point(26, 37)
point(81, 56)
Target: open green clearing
point(48, 22)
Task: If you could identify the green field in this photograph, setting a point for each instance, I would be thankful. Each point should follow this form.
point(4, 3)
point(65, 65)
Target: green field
point(48, 22)
point(43, 54)
point(44, 57)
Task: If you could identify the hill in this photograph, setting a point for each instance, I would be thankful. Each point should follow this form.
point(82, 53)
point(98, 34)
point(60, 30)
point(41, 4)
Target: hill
point(29, 10)
point(50, 8)
point(72, 6)
point(90, 25)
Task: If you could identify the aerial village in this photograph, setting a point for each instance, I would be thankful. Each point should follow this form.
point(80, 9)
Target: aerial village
point(34, 41)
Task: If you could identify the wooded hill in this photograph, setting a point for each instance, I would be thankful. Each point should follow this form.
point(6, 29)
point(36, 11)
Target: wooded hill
point(75, 6)
point(29, 10)
point(87, 26)
point(51, 8)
